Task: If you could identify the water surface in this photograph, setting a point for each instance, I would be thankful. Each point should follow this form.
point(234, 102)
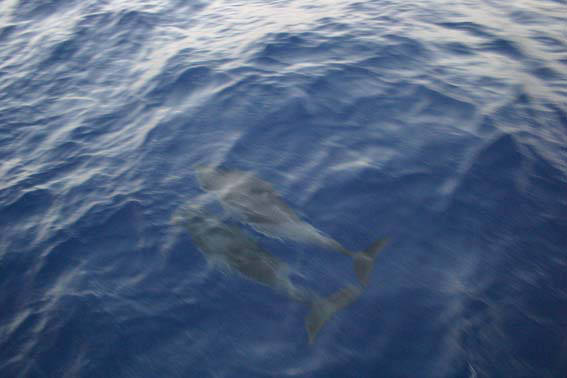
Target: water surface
point(440, 124)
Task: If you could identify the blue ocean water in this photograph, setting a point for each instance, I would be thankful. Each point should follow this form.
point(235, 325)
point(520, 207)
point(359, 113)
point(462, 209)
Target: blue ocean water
point(439, 124)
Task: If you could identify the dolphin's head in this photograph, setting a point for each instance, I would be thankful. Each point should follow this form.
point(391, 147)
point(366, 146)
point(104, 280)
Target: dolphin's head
point(206, 176)
point(211, 178)
point(194, 219)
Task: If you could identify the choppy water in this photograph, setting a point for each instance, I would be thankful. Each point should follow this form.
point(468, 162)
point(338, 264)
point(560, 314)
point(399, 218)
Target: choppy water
point(441, 124)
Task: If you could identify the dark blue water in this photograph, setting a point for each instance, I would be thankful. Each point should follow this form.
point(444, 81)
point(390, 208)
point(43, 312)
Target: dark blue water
point(439, 124)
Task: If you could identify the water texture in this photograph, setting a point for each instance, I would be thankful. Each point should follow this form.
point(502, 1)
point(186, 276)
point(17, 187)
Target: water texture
point(439, 124)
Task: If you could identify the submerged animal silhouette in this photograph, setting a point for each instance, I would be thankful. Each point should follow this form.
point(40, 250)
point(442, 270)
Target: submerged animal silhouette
point(234, 248)
point(255, 202)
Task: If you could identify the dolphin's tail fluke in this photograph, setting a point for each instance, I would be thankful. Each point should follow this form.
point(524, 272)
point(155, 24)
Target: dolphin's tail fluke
point(364, 261)
point(323, 309)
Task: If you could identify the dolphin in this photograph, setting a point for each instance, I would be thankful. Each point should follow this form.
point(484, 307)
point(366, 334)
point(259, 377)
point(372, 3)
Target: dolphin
point(239, 252)
point(255, 202)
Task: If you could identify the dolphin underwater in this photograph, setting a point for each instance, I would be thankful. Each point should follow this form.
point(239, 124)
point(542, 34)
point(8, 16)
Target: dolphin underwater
point(236, 250)
point(255, 202)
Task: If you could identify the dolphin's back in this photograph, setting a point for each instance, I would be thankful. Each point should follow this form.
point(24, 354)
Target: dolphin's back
point(246, 196)
point(258, 266)
point(239, 251)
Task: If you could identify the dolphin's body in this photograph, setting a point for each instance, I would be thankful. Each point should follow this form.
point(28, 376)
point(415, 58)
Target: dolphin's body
point(255, 202)
point(227, 244)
